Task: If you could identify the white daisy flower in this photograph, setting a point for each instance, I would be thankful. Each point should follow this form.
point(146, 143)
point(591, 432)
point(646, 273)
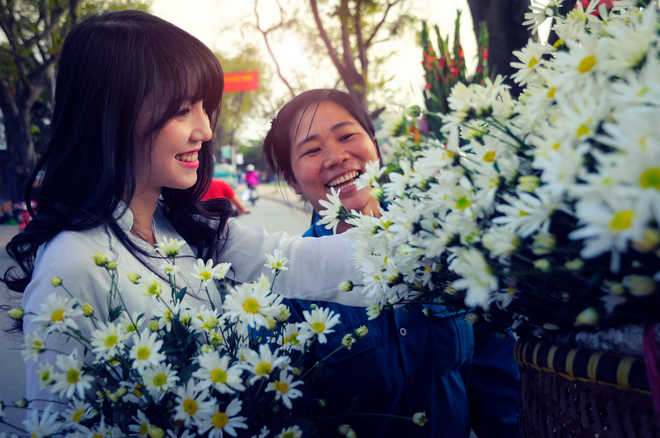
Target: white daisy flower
point(41, 425)
point(531, 60)
point(253, 304)
point(207, 272)
point(57, 313)
point(207, 320)
point(142, 424)
point(146, 351)
point(284, 388)
point(169, 248)
point(109, 340)
point(159, 379)
point(192, 404)
point(528, 213)
point(290, 432)
point(34, 345)
point(277, 262)
point(46, 373)
point(226, 421)
point(371, 176)
point(152, 286)
point(214, 371)
point(330, 216)
point(477, 277)
point(73, 379)
point(262, 363)
point(318, 323)
point(289, 338)
point(169, 269)
point(133, 324)
point(76, 412)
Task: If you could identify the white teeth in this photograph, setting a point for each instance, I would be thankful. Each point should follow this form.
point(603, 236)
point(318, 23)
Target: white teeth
point(187, 157)
point(342, 179)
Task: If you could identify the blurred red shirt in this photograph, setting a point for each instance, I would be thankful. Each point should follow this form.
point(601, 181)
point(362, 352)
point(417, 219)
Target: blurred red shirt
point(219, 188)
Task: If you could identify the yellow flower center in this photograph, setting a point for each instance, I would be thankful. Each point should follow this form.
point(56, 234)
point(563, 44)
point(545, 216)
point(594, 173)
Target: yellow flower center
point(144, 429)
point(622, 220)
point(587, 64)
point(143, 353)
point(281, 387)
point(160, 380)
point(522, 213)
point(251, 305)
point(110, 341)
point(532, 62)
point(219, 420)
point(318, 326)
point(288, 435)
point(58, 315)
point(463, 203)
point(294, 339)
point(190, 406)
point(650, 178)
point(137, 391)
point(583, 130)
point(77, 415)
point(73, 376)
point(45, 377)
point(131, 328)
point(551, 92)
point(489, 156)
point(205, 275)
point(218, 376)
point(264, 368)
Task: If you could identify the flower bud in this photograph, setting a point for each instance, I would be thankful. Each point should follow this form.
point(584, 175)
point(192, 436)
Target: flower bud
point(471, 318)
point(56, 281)
point(649, 241)
point(529, 183)
point(111, 266)
point(122, 391)
point(544, 243)
point(346, 286)
point(543, 265)
point(574, 265)
point(153, 325)
point(588, 316)
point(322, 403)
point(134, 278)
point(16, 313)
point(420, 418)
point(156, 432)
point(348, 341)
point(361, 332)
point(100, 259)
point(87, 309)
point(639, 285)
point(215, 338)
point(22, 403)
point(284, 315)
point(206, 349)
point(297, 371)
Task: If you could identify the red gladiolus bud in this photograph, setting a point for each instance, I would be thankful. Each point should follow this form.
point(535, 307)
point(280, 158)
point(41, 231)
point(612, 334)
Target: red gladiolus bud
point(585, 4)
point(485, 53)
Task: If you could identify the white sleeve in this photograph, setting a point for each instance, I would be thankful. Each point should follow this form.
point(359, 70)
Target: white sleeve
point(316, 265)
point(70, 260)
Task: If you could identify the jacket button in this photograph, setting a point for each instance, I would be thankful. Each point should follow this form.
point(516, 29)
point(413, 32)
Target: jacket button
point(402, 331)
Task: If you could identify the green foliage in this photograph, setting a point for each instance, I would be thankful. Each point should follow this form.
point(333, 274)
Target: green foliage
point(446, 68)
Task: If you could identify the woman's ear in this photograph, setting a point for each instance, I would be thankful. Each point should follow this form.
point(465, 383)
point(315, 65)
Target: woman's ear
point(291, 180)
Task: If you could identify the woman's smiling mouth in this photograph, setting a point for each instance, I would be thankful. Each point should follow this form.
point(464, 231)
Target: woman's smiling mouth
point(344, 180)
point(187, 157)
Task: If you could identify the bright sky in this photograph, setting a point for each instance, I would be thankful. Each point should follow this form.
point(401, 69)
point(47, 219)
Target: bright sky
point(215, 22)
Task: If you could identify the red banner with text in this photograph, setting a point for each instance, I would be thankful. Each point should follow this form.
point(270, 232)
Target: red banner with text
point(241, 81)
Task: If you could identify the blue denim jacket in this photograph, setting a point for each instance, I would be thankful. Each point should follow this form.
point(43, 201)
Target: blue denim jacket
point(408, 363)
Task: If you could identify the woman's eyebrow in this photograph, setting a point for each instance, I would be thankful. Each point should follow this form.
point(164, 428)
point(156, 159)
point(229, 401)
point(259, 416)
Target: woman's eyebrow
point(316, 136)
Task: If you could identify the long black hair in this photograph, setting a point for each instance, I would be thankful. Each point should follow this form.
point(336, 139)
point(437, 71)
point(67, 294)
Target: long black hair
point(113, 64)
point(284, 127)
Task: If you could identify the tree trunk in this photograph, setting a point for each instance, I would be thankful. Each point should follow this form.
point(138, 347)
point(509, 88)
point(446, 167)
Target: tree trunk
point(20, 146)
point(506, 33)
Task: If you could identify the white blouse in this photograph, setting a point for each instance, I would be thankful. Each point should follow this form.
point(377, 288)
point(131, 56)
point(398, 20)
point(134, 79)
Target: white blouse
point(316, 267)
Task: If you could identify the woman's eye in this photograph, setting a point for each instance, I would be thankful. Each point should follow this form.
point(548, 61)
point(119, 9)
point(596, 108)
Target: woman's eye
point(345, 137)
point(311, 151)
point(183, 111)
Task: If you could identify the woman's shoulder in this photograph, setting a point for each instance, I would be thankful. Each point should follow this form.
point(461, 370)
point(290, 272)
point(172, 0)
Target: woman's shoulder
point(69, 246)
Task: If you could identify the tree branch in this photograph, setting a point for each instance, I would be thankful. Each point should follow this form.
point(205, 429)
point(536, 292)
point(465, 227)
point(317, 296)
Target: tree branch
point(381, 22)
point(326, 40)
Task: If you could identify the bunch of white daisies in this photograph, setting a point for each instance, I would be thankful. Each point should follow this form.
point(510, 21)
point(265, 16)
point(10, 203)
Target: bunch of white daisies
point(544, 207)
point(187, 371)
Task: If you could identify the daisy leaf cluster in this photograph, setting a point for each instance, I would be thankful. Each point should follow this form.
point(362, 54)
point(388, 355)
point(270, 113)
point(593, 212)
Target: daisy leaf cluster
point(541, 209)
point(235, 369)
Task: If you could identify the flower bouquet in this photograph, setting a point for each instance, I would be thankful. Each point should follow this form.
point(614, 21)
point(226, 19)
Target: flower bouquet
point(542, 210)
point(187, 371)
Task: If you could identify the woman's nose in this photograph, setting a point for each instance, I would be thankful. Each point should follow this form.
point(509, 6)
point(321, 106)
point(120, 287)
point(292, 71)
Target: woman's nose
point(202, 130)
point(335, 154)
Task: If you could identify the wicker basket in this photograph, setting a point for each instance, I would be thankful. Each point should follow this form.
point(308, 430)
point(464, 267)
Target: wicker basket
point(571, 392)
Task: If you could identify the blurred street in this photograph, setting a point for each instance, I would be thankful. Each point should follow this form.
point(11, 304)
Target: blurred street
point(277, 209)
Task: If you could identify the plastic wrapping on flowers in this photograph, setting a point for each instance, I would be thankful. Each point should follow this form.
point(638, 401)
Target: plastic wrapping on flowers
point(542, 210)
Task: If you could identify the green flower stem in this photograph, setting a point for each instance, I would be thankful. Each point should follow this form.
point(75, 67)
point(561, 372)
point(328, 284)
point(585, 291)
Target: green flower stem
point(321, 361)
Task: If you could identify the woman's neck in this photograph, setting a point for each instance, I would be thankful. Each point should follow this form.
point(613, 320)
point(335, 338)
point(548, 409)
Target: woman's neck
point(142, 207)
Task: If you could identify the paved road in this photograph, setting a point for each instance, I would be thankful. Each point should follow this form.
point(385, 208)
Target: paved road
point(277, 209)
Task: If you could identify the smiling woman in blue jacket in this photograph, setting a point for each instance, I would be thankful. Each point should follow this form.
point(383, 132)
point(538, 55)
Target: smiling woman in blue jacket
point(408, 362)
